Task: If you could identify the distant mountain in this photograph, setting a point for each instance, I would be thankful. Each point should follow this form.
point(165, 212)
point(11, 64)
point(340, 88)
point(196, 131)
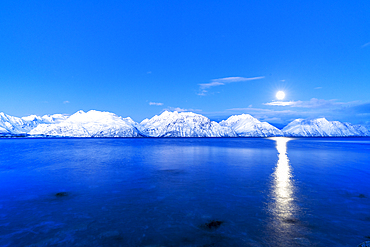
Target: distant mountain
point(321, 127)
point(90, 124)
point(183, 124)
point(15, 125)
point(168, 124)
point(247, 126)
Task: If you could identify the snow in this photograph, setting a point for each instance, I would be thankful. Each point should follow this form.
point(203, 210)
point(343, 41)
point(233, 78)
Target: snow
point(14, 125)
point(169, 124)
point(90, 124)
point(183, 124)
point(321, 127)
point(247, 126)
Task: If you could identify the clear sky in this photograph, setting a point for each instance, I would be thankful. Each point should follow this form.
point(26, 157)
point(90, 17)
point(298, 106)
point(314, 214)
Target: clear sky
point(216, 58)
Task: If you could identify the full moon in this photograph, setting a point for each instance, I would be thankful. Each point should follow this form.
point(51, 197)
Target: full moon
point(280, 95)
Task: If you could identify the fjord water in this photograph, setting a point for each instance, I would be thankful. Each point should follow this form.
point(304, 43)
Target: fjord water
point(167, 192)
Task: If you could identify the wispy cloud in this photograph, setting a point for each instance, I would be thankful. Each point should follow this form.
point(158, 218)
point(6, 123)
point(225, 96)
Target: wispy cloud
point(224, 81)
point(317, 87)
point(355, 112)
point(66, 102)
point(270, 115)
point(211, 84)
point(313, 103)
point(357, 108)
point(316, 103)
point(202, 92)
point(364, 45)
point(280, 103)
point(155, 103)
point(178, 109)
point(280, 117)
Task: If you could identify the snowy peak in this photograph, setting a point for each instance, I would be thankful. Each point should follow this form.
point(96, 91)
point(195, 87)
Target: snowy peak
point(7, 124)
point(55, 118)
point(183, 124)
point(90, 124)
point(321, 127)
point(32, 118)
point(168, 124)
point(15, 125)
point(98, 117)
point(92, 116)
point(247, 126)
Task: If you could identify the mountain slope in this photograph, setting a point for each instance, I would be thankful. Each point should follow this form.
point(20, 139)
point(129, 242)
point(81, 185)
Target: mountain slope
point(15, 125)
point(247, 126)
point(90, 124)
point(183, 124)
point(321, 127)
point(168, 124)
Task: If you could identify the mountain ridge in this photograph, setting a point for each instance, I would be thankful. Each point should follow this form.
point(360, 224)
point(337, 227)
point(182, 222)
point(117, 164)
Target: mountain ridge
point(183, 124)
point(247, 126)
point(169, 124)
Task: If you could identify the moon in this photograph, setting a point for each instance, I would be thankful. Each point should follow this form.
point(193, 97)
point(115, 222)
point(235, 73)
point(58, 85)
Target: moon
point(280, 95)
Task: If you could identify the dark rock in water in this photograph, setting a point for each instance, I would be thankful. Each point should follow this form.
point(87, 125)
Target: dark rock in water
point(212, 225)
point(364, 244)
point(362, 196)
point(290, 220)
point(61, 194)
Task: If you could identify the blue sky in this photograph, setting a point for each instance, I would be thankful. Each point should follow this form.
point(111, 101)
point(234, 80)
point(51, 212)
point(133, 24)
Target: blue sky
point(216, 58)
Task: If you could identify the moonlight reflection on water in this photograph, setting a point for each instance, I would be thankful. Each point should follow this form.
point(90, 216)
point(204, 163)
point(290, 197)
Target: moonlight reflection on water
point(283, 187)
point(282, 206)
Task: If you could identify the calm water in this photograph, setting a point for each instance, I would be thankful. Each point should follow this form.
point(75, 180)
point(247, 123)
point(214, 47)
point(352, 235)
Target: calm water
point(185, 192)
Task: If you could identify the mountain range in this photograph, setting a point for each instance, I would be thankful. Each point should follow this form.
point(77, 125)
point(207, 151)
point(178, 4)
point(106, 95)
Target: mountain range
point(168, 124)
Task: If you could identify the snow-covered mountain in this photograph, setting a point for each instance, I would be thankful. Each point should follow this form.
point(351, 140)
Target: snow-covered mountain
point(247, 126)
point(10, 125)
point(15, 125)
point(168, 124)
point(90, 124)
point(183, 124)
point(321, 127)
point(55, 118)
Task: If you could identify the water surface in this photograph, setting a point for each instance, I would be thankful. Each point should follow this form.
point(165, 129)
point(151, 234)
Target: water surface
point(167, 192)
